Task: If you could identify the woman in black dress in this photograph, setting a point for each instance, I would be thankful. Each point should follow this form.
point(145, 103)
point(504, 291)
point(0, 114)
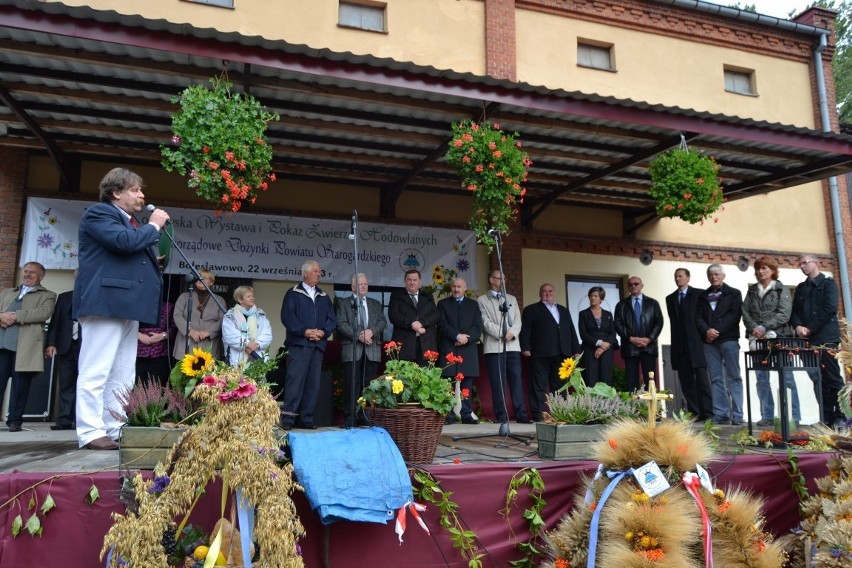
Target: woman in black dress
point(597, 334)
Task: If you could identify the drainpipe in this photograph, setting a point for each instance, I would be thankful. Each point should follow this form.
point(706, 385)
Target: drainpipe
point(832, 185)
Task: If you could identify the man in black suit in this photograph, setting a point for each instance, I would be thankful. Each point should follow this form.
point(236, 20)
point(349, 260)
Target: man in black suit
point(359, 329)
point(688, 349)
point(460, 327)
point(63, 344)
point(638, 321)
point(547, 338)
point(415, 319)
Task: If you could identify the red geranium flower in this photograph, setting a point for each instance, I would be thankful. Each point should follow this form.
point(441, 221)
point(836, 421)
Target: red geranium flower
point(459, 377)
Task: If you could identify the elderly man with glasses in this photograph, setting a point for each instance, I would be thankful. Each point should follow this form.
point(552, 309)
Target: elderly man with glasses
point(638, 321)
point(814, 318)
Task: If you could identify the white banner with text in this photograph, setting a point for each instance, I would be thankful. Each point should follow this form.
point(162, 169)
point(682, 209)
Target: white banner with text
point(266, 247)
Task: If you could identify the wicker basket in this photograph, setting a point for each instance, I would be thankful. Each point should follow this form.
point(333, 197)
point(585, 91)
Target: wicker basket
point(414, 429)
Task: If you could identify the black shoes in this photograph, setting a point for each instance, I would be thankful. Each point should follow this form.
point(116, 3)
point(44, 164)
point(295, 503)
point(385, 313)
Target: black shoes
point(469, 420)
point(524, 421)
point(61, 427)
point(15, 427)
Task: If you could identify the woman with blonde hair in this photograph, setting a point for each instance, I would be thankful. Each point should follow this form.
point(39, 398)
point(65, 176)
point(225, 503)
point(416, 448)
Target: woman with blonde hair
point(205, 321)
point(246, 331)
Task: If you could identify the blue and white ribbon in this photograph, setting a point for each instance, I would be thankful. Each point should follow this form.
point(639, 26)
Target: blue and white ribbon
point(616, 477)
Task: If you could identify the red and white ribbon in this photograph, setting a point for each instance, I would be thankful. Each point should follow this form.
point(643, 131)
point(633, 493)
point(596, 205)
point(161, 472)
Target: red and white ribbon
point(692, 482)
point(415, 509)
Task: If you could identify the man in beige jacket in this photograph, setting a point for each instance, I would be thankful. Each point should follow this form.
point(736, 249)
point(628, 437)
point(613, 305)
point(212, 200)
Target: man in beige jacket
point(23, 311)
point(506, 367)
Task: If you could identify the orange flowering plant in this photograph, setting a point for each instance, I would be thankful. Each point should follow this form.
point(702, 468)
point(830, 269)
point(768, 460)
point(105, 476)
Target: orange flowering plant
point(408, 382)
point(685, 184)
point(219, 141)
point(491, 165)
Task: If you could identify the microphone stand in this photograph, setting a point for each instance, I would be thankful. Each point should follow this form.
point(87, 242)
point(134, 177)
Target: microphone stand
point(356, 329)
point(503, 431)
point(192, 278)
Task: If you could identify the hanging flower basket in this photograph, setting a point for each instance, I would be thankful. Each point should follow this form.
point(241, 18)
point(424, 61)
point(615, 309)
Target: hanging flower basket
point(492, 166)
point(219, 141)
point(685, 184)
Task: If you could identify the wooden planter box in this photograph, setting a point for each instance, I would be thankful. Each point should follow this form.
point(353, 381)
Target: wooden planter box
point(567, 441)
point(141, 447)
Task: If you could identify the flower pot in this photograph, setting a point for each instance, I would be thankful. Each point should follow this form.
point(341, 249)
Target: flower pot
point(567, 441)
point(414, 429)
point(141, 447)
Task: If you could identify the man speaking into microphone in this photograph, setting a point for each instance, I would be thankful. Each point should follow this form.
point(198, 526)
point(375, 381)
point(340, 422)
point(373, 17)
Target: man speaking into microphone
point(118, 285)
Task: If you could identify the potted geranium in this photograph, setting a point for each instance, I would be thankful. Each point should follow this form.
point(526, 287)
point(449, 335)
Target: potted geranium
point(685, 184)
point(219, 141)
point(493, 167)
point(411, 402)
point(577, 414)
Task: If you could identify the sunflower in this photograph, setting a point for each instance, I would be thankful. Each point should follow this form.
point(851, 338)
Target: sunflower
point(438, 278)
point(567, 368)
point(194, 364)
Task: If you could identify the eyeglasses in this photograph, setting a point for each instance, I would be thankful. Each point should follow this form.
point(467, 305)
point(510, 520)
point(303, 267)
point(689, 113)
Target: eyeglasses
point(803, 262)
point(632, 284)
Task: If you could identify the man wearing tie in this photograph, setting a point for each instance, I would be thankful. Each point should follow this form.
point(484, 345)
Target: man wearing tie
point(415, 319)
point(502, 349)
point(688, 349)
point(460, 327)
point(23, 311)
point(118, 285)
point(360, 323)
point(548, 336)
point(63, 345)
point(638, 321)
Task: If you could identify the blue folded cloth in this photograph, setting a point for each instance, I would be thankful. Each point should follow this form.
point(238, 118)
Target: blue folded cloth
point(356, 475)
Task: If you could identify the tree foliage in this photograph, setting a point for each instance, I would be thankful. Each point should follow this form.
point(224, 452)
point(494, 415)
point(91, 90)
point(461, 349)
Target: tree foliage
point(842, 63)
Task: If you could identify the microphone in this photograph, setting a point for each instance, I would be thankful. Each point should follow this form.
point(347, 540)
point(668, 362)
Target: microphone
point(255, 355)
point(494, 233)
point(354, 225)
point(150, 209)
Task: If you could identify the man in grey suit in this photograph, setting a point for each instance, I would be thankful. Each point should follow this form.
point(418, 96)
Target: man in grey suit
point(360, 323)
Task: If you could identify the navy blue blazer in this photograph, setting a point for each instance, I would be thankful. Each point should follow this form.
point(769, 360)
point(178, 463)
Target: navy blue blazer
point(118, 274)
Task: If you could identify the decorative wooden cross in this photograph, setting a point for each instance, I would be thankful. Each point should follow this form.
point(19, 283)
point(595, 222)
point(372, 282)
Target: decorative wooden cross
point(652, 396)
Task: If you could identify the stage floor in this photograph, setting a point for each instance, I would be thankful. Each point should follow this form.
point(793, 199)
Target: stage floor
point(38, 448)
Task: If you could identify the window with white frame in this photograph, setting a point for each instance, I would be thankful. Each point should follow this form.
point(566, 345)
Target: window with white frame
point(740, 81)
point(595, 55)
point(368, 16)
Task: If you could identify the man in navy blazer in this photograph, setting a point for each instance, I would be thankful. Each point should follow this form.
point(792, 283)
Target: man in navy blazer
point(547, 337)
point(118, 285)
